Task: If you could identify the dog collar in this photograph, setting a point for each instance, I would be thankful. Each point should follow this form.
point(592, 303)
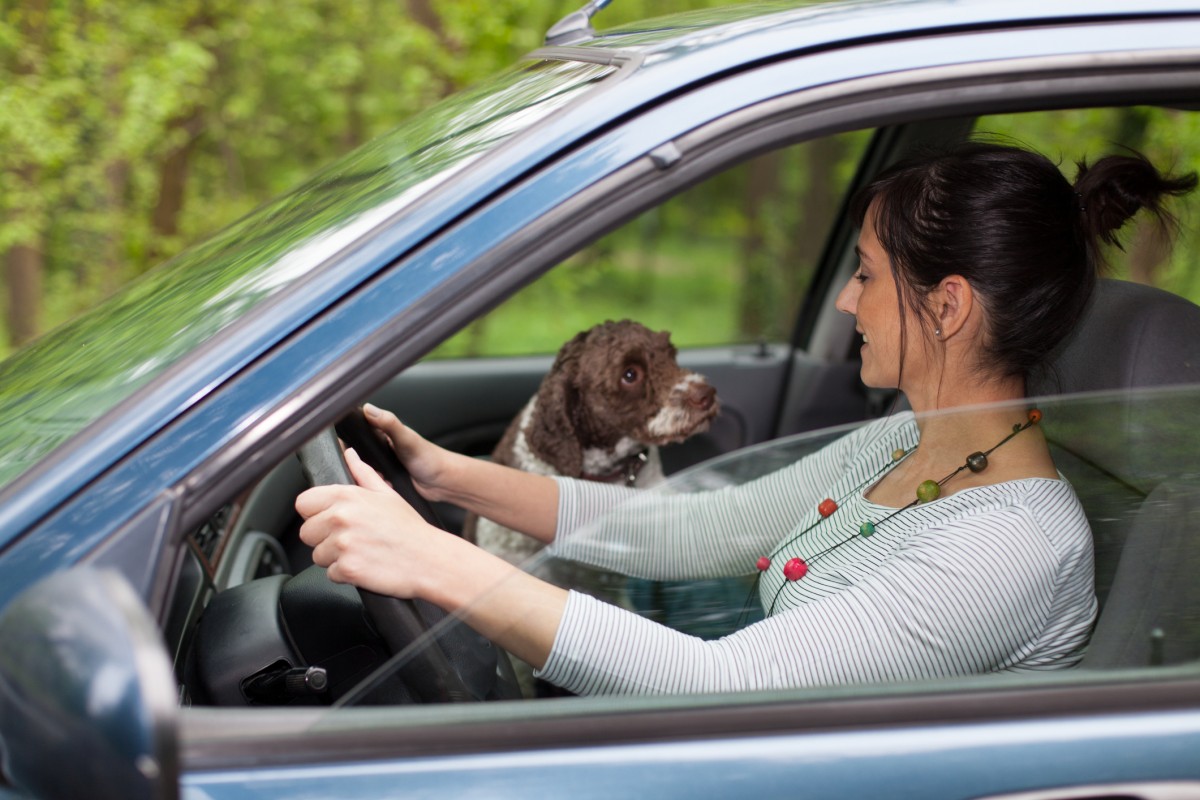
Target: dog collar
point(626, 472)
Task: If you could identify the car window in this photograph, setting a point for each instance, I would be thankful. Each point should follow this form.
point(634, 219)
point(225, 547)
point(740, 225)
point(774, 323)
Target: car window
point(1168, 137)
point(1128, 457)
point(727, 261)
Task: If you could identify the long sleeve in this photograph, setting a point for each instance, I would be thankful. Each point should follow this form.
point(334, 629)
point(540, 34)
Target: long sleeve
point(662, 535)
point(1002, 582)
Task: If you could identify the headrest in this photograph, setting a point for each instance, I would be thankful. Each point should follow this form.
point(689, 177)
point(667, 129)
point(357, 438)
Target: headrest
point(1131, 335)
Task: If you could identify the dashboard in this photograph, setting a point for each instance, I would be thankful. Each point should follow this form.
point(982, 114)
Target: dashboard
point(255, 536)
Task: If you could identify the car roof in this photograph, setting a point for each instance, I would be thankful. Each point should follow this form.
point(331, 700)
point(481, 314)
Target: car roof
point(653, 60)
point(768, 29)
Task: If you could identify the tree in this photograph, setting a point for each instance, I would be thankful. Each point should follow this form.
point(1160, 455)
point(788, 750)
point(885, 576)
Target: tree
point(21, 238)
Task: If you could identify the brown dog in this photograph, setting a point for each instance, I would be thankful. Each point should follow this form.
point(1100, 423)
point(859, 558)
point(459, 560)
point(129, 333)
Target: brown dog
point(614, 394)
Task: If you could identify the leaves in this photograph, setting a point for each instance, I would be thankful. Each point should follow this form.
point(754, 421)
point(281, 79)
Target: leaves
point(199, 111)
point(248, 98)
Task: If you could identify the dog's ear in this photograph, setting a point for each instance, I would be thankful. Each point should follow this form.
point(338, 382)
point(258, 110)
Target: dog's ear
point(553, 433)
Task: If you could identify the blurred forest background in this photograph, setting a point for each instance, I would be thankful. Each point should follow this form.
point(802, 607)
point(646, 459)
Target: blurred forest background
point(130, 130)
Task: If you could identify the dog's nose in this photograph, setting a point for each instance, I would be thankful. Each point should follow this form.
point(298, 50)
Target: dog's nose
point(701, 396)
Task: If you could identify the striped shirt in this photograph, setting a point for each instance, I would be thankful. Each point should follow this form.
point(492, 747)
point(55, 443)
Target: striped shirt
point(991, 578)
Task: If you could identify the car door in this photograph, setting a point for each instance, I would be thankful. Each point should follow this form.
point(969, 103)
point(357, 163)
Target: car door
point(1129, 731)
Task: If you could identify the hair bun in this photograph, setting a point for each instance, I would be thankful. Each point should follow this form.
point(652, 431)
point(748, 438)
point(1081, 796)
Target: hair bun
point(1116, 187)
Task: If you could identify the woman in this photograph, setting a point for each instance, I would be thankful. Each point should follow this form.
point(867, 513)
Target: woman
point(920, 545)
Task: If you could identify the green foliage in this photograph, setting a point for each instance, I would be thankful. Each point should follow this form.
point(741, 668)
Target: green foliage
point(1164, 135)
point(727, 261)
point(129, 131)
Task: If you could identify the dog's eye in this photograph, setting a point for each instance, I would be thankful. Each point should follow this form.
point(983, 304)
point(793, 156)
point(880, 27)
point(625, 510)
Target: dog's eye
point(631, 376)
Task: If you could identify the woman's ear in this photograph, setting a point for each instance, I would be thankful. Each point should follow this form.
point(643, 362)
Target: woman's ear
point(953, 305)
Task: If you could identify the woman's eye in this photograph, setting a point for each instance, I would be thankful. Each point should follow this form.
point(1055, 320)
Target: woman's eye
point(631, 375)
point(861, 277)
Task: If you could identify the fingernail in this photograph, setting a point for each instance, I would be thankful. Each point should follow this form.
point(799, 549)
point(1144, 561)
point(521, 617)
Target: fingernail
point(371, 410)
point(350, 452)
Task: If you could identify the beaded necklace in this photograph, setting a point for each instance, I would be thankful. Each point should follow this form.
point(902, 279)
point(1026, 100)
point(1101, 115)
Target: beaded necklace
point(927, 491)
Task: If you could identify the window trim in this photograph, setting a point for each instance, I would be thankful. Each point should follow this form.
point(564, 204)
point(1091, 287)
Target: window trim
point(283, 737)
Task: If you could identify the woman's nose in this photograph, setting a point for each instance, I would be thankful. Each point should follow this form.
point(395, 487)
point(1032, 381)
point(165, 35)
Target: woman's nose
point(847, 299)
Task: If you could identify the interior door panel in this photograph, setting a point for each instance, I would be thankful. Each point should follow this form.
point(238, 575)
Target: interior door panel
point(466, 404)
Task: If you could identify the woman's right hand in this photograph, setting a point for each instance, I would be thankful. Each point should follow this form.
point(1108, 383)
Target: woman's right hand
point(425, 461)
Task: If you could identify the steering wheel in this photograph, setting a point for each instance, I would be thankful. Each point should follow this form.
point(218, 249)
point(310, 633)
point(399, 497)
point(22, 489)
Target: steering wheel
point(461, 665)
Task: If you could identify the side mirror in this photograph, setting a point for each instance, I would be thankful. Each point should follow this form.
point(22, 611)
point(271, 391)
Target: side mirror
point(87, 698)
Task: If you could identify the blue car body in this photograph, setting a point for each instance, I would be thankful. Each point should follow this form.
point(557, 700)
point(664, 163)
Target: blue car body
point(384, 254)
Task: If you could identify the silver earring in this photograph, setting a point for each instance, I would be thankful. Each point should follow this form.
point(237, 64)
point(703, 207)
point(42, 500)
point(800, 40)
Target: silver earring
point(937, 332)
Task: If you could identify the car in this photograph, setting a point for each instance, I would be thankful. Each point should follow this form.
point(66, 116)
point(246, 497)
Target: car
point(156, 606)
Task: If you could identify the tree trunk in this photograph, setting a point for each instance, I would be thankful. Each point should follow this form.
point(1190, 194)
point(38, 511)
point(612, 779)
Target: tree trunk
point(423, 14)
point(174, 168)
point(23, 275)
point(820, 204)
point(355, 132)
point(173, 174)
point(173, 178)
point(24, 262)
point(755, 306)
point(116, 182)
point(1149, 247)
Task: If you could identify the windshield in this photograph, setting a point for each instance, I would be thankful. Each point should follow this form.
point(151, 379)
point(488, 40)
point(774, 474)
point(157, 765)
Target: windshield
point(1124, 462)
point(68, 379)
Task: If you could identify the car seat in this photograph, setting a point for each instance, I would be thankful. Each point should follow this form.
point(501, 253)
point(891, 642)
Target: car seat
point(1132, 459)
point(1152, 616)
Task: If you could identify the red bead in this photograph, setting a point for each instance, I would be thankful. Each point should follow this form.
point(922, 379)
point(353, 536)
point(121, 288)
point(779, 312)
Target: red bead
point(763, 563)
point(1035, 415)
point(827, 507)
point(795, 569)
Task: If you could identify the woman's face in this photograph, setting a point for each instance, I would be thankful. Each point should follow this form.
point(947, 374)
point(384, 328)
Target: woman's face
point(871, 297)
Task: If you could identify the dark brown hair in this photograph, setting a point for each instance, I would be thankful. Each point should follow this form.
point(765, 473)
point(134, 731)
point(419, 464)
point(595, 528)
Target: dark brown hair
point(1008, 221)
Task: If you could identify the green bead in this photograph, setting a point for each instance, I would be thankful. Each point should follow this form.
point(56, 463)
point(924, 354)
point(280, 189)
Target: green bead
point(928, 490)
point(866, 529)
point(898, 454)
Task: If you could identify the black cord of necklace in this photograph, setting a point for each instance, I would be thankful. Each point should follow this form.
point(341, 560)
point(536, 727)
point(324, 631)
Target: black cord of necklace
point(1016, 429)
point(871, 479)
point(758, 576)
point(813, 559)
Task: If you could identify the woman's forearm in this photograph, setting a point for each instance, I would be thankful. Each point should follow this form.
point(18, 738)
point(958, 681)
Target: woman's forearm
point(511, 608)
point(519, 500)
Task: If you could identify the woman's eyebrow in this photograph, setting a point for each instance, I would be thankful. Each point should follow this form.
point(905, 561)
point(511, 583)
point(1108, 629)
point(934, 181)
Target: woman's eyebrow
point(858, 253)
